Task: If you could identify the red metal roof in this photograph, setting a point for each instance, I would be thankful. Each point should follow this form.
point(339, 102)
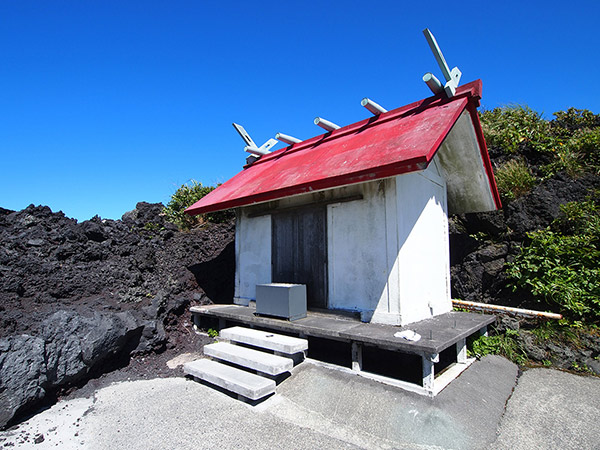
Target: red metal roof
point(399, 141)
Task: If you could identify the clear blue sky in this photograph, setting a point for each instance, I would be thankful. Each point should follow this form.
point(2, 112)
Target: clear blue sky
point(107, 103)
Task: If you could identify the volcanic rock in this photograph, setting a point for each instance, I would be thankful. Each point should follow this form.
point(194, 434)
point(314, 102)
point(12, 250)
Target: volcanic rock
point(78, 299)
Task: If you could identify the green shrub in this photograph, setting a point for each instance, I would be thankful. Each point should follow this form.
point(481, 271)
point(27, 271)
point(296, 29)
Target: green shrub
point(185, 196)
point(579, 218)
point(579, 133)
point(571, 120)
point(566, 159)
point(510, 127)
point(587, 143)
point(514, 179)
point(220, 216)
point(501, 344)
point(560, 331)
point(560, 264)
point(571, 139)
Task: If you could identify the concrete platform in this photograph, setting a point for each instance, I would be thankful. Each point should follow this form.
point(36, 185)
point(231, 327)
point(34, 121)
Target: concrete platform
point(437, 334)
point(251, 359)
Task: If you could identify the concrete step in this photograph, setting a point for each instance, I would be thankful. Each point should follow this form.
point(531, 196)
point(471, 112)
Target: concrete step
point(251, 359)
point(249, 385)
point(264, 339)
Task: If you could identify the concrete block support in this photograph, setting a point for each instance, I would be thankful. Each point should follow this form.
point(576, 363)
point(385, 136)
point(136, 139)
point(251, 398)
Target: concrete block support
point(461, 351)
point(357, 363)
point(429, 359)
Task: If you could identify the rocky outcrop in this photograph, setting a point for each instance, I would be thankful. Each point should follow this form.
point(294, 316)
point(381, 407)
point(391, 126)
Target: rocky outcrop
point(75, 345)
point(22, 374)
point(78, 299)
point(68, 350)
point(574, 351)
point(482, 243)
point(480, 246)
point(540, 207)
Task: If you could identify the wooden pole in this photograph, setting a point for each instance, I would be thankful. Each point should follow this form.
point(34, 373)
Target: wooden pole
point(474, 306)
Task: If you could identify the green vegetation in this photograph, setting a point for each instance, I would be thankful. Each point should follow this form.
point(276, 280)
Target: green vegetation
point(587, 144)
point(570, 143)
point(567, 159)
point(512, 343)
point(514, 179)
point(556, 331)
point(560, 264)
point(574, 119)
point(500, 344)
point(512, 127)
point(186, 196)
point(212, 333)
point(155, 227)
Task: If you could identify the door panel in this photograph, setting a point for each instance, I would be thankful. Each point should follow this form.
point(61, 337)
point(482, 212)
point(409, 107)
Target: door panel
point(299, 251)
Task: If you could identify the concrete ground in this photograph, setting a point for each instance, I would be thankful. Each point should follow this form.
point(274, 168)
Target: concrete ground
point(322, 408)
point(552, 409)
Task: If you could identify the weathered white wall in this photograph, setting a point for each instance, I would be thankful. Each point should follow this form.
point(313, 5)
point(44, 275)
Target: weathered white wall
point(424, 255)
point(388, 254)
point(252, 255)
point(356, 247)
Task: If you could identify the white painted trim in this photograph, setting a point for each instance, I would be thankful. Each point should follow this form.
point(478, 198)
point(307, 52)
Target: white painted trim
point(440, 383)
point(405, 385)
point(392, 249)
point(357, 361)
point(238, 240)
point(450, 374)
point(432, 174)
point(461, 351)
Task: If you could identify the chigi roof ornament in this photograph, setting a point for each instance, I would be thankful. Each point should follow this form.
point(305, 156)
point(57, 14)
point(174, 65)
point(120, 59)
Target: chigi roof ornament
point(251, 147)
point(452, 76)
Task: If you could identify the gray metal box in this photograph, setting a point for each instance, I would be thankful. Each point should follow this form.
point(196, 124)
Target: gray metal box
point(281, 300)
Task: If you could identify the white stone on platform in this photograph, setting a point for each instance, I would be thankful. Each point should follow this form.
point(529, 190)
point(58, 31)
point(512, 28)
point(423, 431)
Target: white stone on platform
point(251, 359)
point(263, 339)
point(235, 380)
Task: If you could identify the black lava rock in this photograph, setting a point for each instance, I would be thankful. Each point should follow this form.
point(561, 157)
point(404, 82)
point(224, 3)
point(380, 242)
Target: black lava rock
point(78, 299)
